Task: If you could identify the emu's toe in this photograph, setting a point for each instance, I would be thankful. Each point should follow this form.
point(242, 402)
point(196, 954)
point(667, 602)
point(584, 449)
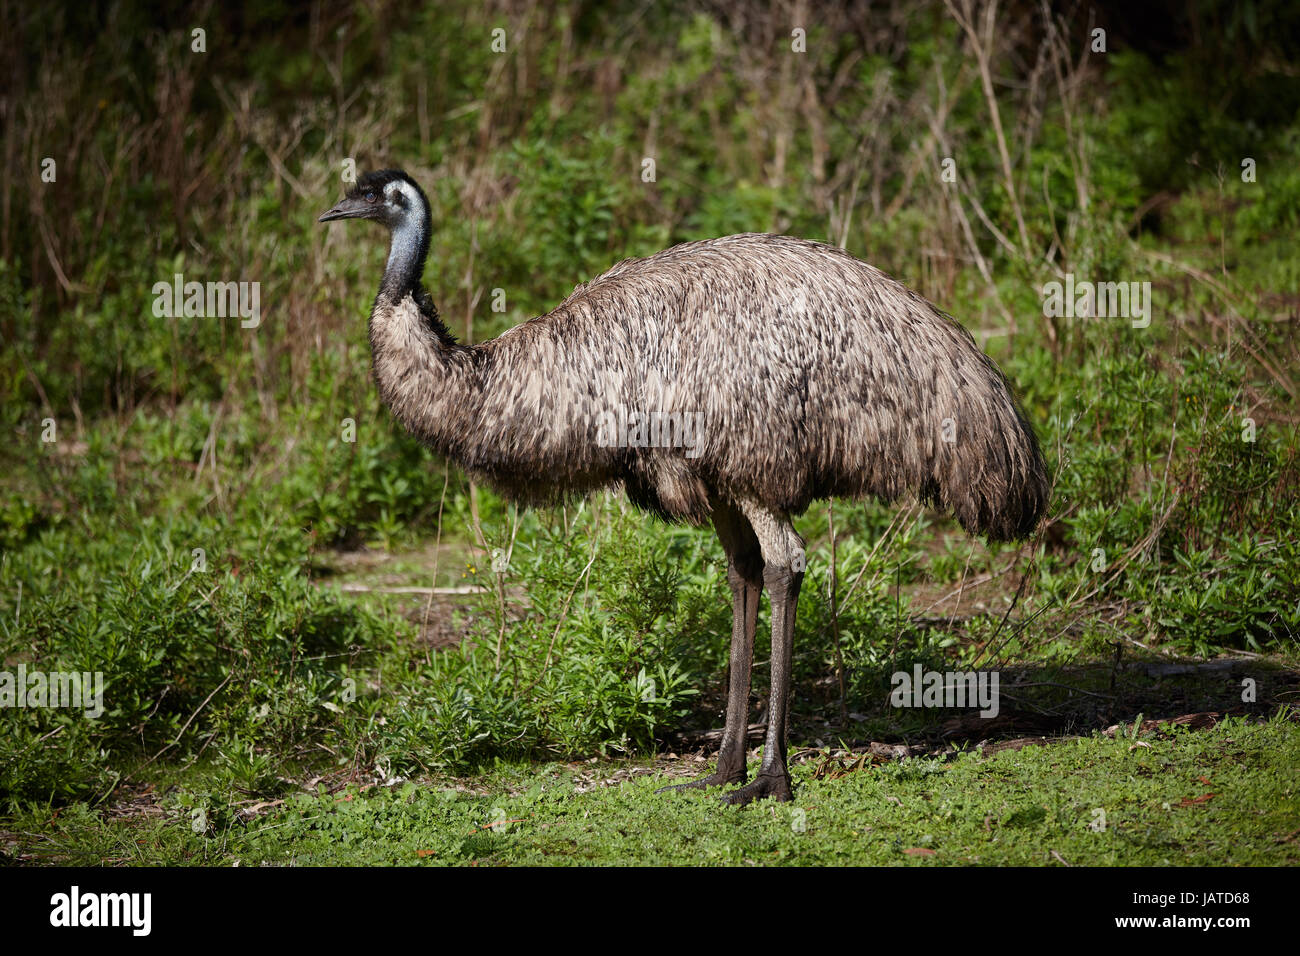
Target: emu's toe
point(719, 778)
point(765, 785)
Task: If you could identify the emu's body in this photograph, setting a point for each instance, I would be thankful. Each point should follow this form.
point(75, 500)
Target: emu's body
point(810, 373)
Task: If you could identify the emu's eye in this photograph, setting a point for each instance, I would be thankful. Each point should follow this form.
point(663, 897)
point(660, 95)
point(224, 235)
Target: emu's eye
point(370, 196)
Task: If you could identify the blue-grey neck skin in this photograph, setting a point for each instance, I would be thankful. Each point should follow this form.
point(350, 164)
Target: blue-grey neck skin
point(406, 255)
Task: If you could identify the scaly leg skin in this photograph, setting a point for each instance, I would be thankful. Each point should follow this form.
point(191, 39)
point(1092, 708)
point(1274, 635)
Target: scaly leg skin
point(744, 574)
point(782, 552)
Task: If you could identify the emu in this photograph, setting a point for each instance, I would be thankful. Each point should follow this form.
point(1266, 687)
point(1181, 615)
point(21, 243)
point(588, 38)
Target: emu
point(812, 375)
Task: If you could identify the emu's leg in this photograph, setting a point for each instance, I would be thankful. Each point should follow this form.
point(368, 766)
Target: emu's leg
point(783, 559)
point(745, 575)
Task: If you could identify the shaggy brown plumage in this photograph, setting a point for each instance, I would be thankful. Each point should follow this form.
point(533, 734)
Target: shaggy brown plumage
point(806, 372)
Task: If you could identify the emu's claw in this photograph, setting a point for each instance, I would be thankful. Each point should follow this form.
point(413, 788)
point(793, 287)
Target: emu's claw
point(719, 778)
point(764, 785)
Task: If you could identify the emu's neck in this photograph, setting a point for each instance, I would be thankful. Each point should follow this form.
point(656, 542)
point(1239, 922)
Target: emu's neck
point(406, 254)
point(427, 380)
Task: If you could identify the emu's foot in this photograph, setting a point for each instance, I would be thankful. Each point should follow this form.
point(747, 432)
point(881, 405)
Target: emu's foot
point(721, 777)
point(776, 786)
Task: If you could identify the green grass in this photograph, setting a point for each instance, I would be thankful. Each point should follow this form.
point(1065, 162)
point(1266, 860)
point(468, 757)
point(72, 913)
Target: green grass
point(1041, 805)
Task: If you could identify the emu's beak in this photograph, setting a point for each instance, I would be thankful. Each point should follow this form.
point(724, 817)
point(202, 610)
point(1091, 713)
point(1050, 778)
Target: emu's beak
point(347, 208)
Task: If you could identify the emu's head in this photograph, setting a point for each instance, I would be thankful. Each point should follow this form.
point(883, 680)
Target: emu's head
point(395, 199)
point(386, 195)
